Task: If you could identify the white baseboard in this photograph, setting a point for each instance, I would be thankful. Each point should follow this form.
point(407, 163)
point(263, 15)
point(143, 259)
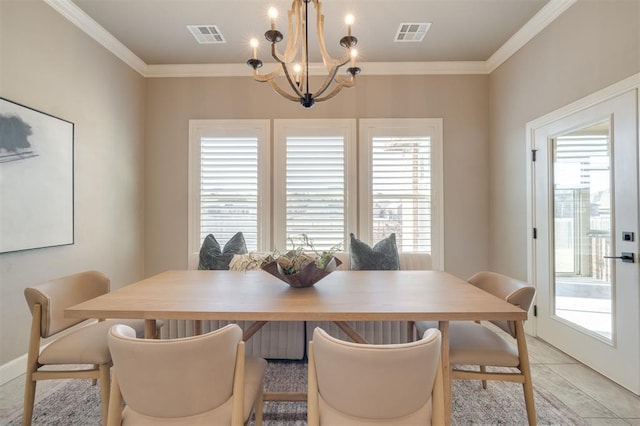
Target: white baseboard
point(12, 369)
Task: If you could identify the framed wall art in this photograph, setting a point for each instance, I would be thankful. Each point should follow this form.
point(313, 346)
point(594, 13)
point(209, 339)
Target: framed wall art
point(36, 179)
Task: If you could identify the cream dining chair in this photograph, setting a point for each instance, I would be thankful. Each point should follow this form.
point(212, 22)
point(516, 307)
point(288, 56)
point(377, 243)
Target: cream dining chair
point(472, 343)
point(84, 345)
point(358, 384)
point(198, 380)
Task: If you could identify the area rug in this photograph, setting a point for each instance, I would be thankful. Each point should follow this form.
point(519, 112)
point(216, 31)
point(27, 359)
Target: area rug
point(78, 403)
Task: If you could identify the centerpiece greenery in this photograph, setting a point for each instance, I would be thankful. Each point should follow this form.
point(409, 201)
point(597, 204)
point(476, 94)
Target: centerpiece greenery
point(301, 266)
point(302, 254)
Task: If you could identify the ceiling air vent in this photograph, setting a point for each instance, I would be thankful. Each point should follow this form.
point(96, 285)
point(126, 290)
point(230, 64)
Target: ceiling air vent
point(206, 34)
point(412, 32)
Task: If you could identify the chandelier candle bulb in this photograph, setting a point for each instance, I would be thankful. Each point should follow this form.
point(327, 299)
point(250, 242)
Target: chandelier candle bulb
point(354, 55)
point(273, 14)
point(297, 68)
point(349, 19)
point(254, 45)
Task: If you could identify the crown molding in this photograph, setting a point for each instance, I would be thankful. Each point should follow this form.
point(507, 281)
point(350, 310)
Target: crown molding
point(533, 27)
point(73, 13)
point(424, 68)
point(373, 68)
point(544, 17)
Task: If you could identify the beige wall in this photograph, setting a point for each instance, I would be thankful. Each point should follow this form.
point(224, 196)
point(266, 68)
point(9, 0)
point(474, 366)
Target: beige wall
point(50, 65)
point(461, 101)
point(593, 44)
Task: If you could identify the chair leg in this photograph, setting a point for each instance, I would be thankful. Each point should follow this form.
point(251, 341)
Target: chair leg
point(29, 400)
point(105, 385)
point(32, 365)
point(529, 402)
point(259, 408)
point(526, 371)
point(95, 381)
point(483, 369)
point(114, 417)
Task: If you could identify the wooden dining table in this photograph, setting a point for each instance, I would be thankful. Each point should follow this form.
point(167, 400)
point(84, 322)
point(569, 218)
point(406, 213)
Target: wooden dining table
point(340, 297)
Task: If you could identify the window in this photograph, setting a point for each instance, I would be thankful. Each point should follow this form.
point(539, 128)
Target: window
point(401, 188)
point(312, 163)
point(323, 183)
point(229, 166)
point(400, 183)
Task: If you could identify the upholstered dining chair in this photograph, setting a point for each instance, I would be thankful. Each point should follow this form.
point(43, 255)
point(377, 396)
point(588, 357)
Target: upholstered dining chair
point(473, 343)
point(357, 384)
point(83, 351)
point(198, 380)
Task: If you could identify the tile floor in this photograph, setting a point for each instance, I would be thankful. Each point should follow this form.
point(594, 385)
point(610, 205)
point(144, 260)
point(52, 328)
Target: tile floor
point(593, 397)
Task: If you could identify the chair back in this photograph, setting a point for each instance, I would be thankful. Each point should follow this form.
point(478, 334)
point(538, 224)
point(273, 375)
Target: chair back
point(176, 377)
point(516, 292)
point(376, 383)
point(56, 295)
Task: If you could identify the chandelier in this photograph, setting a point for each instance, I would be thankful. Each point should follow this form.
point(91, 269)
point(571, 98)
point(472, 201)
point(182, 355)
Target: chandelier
point(294, 61)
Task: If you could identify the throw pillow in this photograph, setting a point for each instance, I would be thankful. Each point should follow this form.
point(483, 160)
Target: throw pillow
point(382, 256)
point(211, 257)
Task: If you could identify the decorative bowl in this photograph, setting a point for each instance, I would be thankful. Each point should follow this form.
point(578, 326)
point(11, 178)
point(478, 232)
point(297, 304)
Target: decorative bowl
point(307, 277)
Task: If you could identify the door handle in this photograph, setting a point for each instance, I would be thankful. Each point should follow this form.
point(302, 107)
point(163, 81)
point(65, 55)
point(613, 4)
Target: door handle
point(627, 257)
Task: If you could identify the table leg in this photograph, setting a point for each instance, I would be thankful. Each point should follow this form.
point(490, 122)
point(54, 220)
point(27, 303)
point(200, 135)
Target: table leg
point(446, 370)
point(342, 325)
point(253, 329)
point(410, 331)
point(197, 327)
point(150, 329)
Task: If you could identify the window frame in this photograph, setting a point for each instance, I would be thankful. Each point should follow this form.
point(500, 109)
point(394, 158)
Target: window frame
point(282, 128)
point(402, 127)
point(357, 135)
point(198, 129)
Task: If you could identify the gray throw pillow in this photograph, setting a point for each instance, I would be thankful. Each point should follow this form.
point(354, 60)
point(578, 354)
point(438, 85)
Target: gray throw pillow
point(382, 256)
point(211, 257)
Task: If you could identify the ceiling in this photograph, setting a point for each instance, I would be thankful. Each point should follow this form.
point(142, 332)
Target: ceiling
point(151, 35)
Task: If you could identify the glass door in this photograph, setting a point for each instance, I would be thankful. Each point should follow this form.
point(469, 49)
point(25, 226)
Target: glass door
point(585, 213)
point(582, 229)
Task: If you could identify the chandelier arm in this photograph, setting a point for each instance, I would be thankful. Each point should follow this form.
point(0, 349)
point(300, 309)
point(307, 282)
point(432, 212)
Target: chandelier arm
point(346, 81)
point(282, 58)
point(291, 48)
point(331, 78)
point(292, 42)
point(266, 77)
point(327, 81)
point(327, 59)
point(292, 82)
point(282, 92)
point(341, 82)
point(331, 94)
point(344, 60)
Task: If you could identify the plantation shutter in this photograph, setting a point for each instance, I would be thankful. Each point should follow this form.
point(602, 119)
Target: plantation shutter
point(229, 188)
point(401, 191)
point(315, 190)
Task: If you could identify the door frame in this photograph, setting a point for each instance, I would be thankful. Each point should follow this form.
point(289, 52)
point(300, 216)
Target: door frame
point(612, 91)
